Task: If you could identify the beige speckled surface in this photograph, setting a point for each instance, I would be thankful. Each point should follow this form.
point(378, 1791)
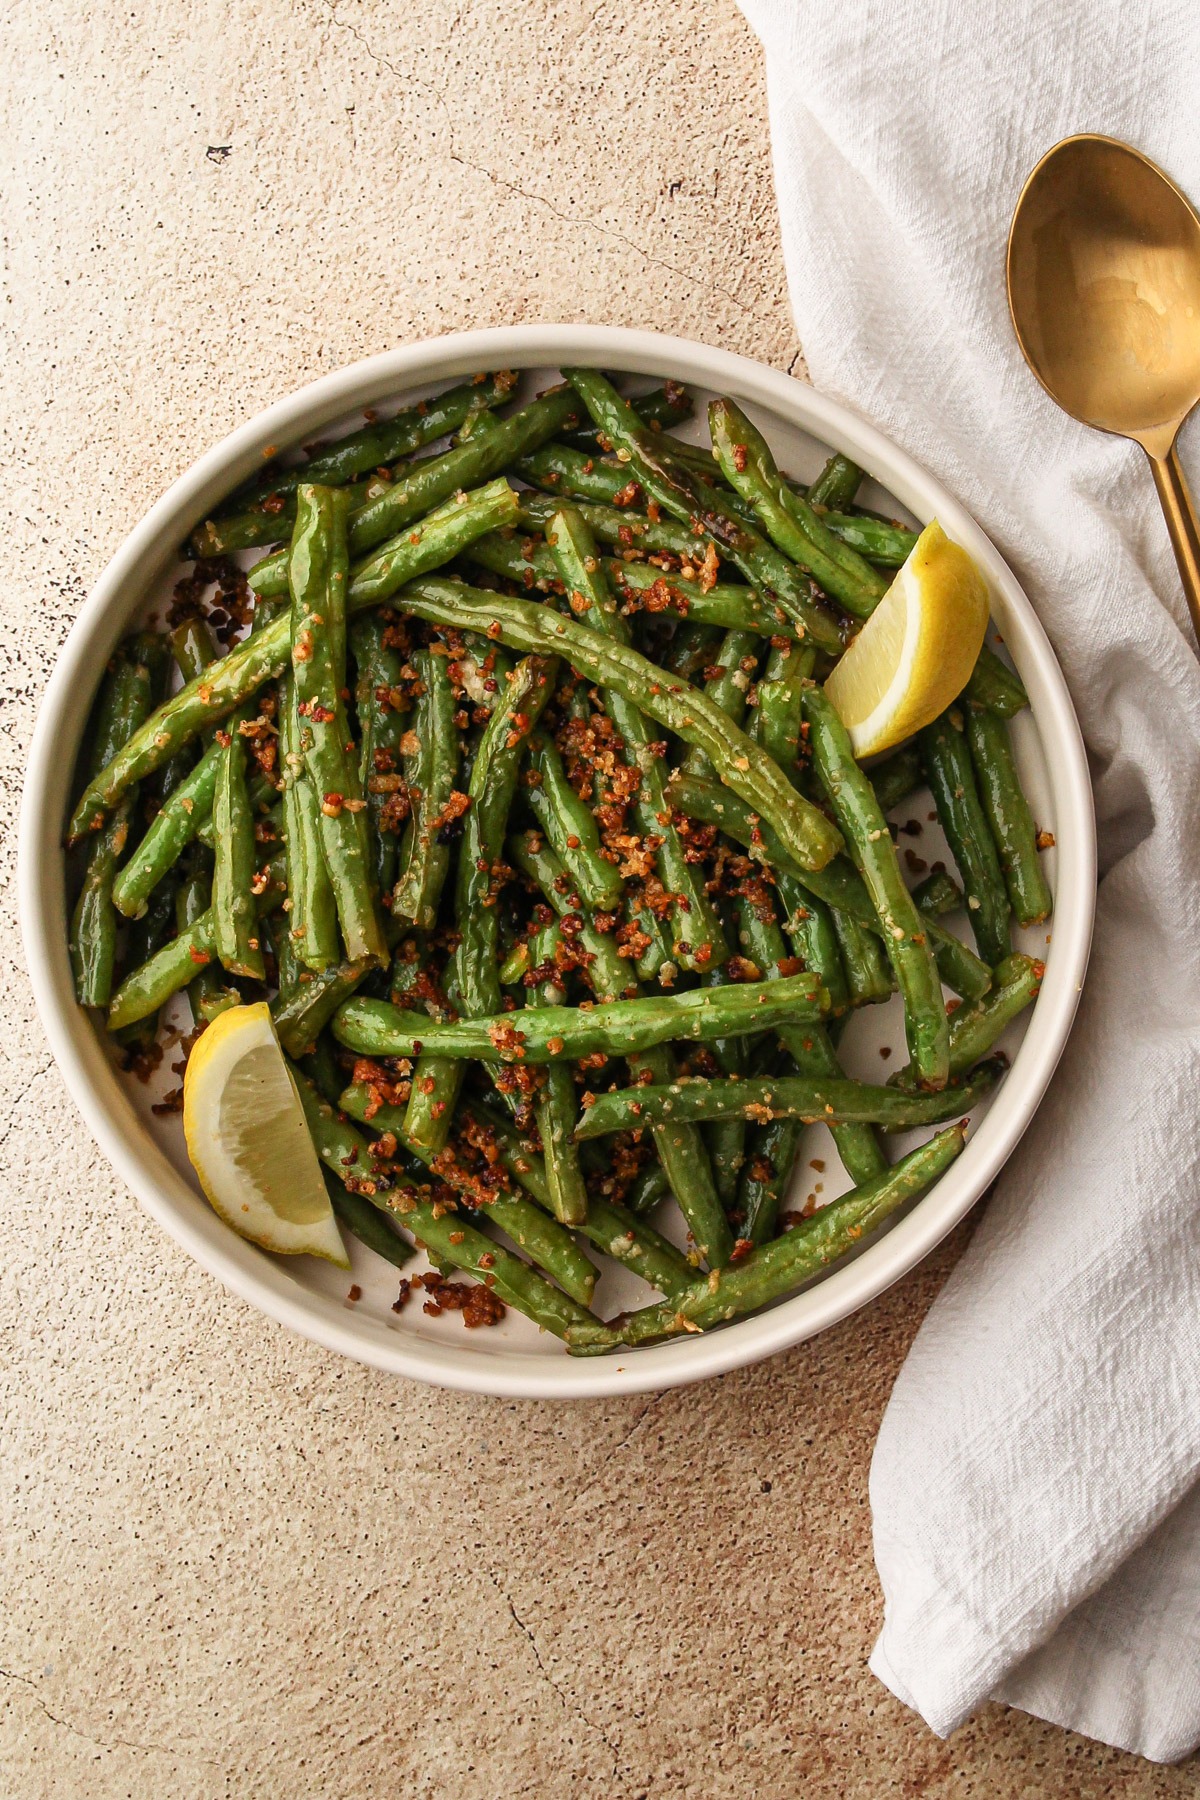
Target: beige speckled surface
point(234, 1566)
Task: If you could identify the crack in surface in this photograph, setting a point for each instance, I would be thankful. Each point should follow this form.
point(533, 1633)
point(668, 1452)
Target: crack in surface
point(566, 1700)
point(116, 1743)
point(13, 1104)
point(512, 187)
point(621, 1443)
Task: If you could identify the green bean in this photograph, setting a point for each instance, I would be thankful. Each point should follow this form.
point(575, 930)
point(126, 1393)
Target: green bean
point(727, 685)
point(869, 977)
point(149, 987)
point(667, 481)
point(661, 407)
point(202, 703)
point(260, 525)
point(897, 776)
point(262, 795)
point(767, 1175)
point(837, 483)
point(542, 1237)
point(556, 1111)
point(312, 921)
point(93, 937)
point(777, 1268)
point(995, 686)
point(809, 1047)
point(947, 763)
point(904, 936)
point(554, 1033)
point(235, 915)
point(127, 675)
point(885, 545)
point(176, 965)
point(778, 712)
point(634, 1243)
point(726, 1138)
point(263, 656)
point(382, 706)
point(696, 937)
point(608, 973)
point(147, 935)
point(938, 893)
point(808, 923)
point(527, 626)
point(683, 1155)
point(974, 1030)
point(301, 1013)
point(960, 968)
point(433, 1095)
point(813, 1099)
point(627, 531)
point(838, 884)
point(431, 772)
point(731, 606)
point(570, 825)
point(384, 440)
point(456, 523)
point(1013, 830)
point(610, 1226)
point(519, 704)
point(446, 1235)
point(790, 522)
point(169, 833)
point(512, 1152)
point(193, 647)
point(432, 483)
point(680, 1147)
point(367, 1222)
point(287, 968)
point(518, 961)
point(690, 648)
point(235, 847)
point(317, 572)
point(701, 460)
point(656, 958)
point(569, 473)
point(649, 1188)
point(208, 994)
point(450, 1239)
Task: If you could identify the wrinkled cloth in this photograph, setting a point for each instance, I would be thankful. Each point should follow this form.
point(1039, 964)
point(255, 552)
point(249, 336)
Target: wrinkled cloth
point(1035, 1487)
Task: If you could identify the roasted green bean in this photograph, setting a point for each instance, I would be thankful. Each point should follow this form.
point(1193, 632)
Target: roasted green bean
point(904, 936)
point(948, 770)
point(1013, 830)
point(773, 1270)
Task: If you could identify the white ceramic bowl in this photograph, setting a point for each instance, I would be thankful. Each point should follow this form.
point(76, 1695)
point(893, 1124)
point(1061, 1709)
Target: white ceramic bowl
point(514, 1359)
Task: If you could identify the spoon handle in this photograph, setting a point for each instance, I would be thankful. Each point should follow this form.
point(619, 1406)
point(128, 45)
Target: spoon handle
point(1180, 513)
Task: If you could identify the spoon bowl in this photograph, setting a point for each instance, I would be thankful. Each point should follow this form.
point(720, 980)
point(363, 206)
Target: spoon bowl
point(1104, 291)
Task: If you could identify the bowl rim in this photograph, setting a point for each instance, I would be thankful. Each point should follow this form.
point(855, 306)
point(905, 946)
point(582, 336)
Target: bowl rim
point(148, 550)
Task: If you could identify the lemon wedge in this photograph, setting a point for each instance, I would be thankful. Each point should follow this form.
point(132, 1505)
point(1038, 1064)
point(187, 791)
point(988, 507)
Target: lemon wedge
point(248, 1141)
point(916, 652)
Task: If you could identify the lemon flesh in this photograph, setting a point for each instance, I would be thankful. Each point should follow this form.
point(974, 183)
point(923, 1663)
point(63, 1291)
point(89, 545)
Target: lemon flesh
point(248, 1141)
point(915, 654)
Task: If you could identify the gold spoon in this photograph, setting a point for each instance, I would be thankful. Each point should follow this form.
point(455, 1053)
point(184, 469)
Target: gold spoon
point(1104, 291)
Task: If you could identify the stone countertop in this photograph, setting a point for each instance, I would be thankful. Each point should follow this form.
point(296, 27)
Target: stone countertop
point(234, 1565)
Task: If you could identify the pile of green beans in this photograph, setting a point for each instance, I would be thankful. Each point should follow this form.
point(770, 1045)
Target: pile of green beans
point(517, 791)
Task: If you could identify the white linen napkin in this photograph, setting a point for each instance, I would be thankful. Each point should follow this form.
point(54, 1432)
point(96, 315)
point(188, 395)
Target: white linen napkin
point(1036, 1484)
